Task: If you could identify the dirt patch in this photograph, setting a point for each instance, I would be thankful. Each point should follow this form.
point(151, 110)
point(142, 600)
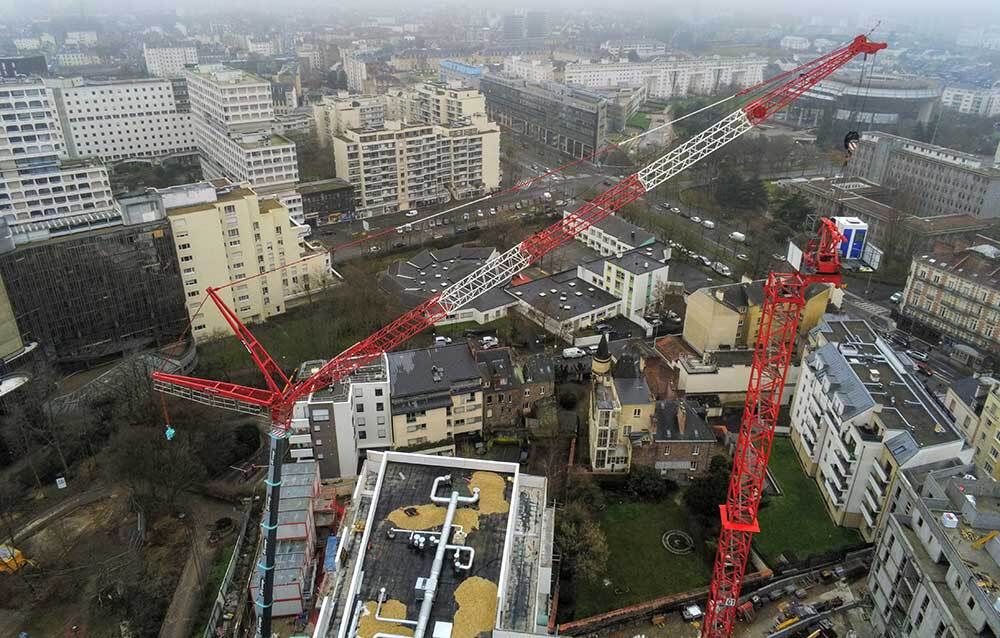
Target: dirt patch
point(491, 492)
point(477, 607)
point(368, 626)
point(65, 533)
point(429, 516)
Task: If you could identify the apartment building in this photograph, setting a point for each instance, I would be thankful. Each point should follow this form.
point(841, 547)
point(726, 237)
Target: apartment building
point(936, 565)
point(445, 104)
point(125, 119)
point(336, 114)
point(437, 396)
point(81, 38)
point(934, 179)
point(679, 445)
point(225, 232)
point(613, 235)
point(503, 397)
point(326, 201)
point(965, 399)
point(642, 47)
point(528, 69)
point(359, 67)
point(234, 130)
point(168, 62)
point(336, 426)
point(569, 119)
point(633, 277)
point(25, 65)
point(454, 71)
point(69, 57)
point(987, 440)
point(41, 193)
point(403, 166)
point(669, 78)
point(957, 295)
point(795, 43)
point(859, 416)
point(972, 100)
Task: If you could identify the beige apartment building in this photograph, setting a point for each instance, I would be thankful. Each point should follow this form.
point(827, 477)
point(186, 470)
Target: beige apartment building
point(437, 396)
point(224, 233)
point(444, 103)
point(988, 434)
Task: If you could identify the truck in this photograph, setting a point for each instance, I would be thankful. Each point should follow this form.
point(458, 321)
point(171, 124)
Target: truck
point(737, 237)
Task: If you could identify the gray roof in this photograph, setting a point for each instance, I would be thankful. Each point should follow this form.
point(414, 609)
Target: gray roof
point(411, 372)
point(538, 369)
point(491, 300)
point(431, 271)
point(827, 361)
point(637, 261)
point(695, 428)
point(972, 391)
point(496, 368)
point(572, 296)
point(629, 383)
point(742, 295)
point(624, 231)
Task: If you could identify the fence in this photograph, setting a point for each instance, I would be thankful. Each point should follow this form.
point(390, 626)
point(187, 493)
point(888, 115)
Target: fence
point(220, 597)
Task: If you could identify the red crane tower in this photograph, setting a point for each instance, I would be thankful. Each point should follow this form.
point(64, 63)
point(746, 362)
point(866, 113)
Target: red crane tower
point(276, 402)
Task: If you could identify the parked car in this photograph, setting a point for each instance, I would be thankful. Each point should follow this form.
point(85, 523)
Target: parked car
point(696, 219)
point(896, 297)
point(573, 353)
point(519, 206)
point(916, 355)
point(441, 341)
point(708, 223)
point(722, 269)
point(373, 249)
point(777, 257)
point(691, 612)
point(493, 211)
point(705, 260)
point(489, 342)
point(742, 257)
point(412, 213)
point(399, 244)
point(737, 237)
point(675, 210)
point(480, 213)
point(925, 369)
point(602, 328)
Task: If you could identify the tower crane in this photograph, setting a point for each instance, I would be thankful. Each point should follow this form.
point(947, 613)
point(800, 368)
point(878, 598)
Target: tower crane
point(277, 400)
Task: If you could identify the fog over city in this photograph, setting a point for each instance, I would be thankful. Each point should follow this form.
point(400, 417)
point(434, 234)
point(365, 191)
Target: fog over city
point(516, 319)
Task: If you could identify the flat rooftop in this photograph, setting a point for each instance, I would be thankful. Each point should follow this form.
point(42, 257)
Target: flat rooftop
point(563, 295)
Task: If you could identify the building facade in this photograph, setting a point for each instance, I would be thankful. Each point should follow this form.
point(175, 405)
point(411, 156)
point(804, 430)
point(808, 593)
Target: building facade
point(939, 181)
point(223, 233)
point(642, 47)
point(168, 62)
point(41, 193)
point(972, 100)
point(528, 69)
point(122, 119)
point(957, 295)
point(571, 120)
point(965, 400)
point(326, 201)
point(859, 415)
point(669, 78)
point(455, 71)
point(987, 437)
point(503, 397)
point(621, 409)
point(633, 276)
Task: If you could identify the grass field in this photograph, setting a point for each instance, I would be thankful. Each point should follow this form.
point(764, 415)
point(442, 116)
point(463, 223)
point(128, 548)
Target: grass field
point(639, 120)
point(639, 567)
point(797, 521)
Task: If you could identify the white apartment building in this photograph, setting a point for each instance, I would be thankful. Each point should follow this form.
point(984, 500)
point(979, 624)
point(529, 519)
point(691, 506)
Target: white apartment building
point(859, 415)
point(444, 103)
point(234, 129)
point(334, 114)
point(632, 276)
point(613, 235)
point(225, 232)
point(669, 78)
point(76, 58)
point(336, 426)
point(356, 68)
point(528, 69)
point(27, 45)
point(122, 119)
point(265, 48)
point(643, 47)
point(936, 566)
point(795, 43)
point(40, 193)
point(81, 38)
point(972, 100)
point(168, 62)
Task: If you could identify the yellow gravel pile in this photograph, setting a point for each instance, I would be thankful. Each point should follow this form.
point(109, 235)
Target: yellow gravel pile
point(491, 489)
point(430, 516)
point(368, 626)
point(477, 607)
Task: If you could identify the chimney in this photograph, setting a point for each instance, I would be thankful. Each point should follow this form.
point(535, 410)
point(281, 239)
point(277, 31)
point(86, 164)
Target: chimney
point(681, 416)
point(720, 294)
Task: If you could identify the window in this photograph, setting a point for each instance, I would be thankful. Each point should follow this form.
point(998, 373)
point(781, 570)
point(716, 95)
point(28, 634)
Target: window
point(233, 232)
point(472, 396)
point(320, 415)
point(381, 433)
point(378, 392)
point(362, 436)
point(693, 466)
point(360, 408)
point(696, 450)
point(380, 420)
point(379, 407)
point(666, 450)
point(637, 412)
point(183, 246)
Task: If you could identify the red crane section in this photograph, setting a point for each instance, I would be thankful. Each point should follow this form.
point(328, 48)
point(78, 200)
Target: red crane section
point(784, 298)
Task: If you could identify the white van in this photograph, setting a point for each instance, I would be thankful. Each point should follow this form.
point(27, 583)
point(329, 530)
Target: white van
point(574, 353)
point(708, 223)
point(737, 237)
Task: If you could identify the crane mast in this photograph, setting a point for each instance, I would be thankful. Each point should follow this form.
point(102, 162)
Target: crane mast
point(278, 400)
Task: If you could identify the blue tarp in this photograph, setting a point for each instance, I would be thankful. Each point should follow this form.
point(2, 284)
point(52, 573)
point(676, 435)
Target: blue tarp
point(330, 557)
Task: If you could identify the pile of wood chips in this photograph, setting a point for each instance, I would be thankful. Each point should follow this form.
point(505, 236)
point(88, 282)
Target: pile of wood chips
point(477, 607)
point(368, 626)
point(430, 516)
point(491, 492)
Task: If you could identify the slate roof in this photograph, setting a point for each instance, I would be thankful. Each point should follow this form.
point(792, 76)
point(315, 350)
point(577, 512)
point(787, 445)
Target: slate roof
point(538, 369)
point(411, 372)
point(624, 231)
point(629, 383)
point(695, 428)
point(496, 368)
point(827, 361)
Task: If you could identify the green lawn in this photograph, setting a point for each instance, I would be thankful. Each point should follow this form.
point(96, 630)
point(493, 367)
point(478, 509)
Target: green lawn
point(638, 562)
point(639, 120)
point(797, 521)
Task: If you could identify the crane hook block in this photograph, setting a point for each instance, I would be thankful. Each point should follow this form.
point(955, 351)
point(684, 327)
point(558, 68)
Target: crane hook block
point(170, 432)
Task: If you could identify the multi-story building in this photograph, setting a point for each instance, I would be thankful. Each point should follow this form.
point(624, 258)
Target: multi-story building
point(337, 425)
point(633, 276)
point(888, 226)
point(122, 119)
point(88, 296)
point(987, 437)
point(455, 71)
point(859, 415)
point(935, 180)
point(642, 47)
point(225, 232)
point(445, 104)
point(965, 399)
point(81, 38)
point(326, 201)
point(569, 119)
point(957, 295)
point(69, 57)
point(669, 78)
point(621, 407)
point(336, 114)
point(26, 65)
point(41, 194)
point(623, 103)
point(614, 235)
point(528, 69)
point(936, 566)
point(169, 62)
point(405, 166)
point(679, 444)
point(537, 379)
point(437, 396)
point(503, 397)
point(795, 43)
point(360, 78)
point(563, 303)
point(972, 100)
point(27, 45)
